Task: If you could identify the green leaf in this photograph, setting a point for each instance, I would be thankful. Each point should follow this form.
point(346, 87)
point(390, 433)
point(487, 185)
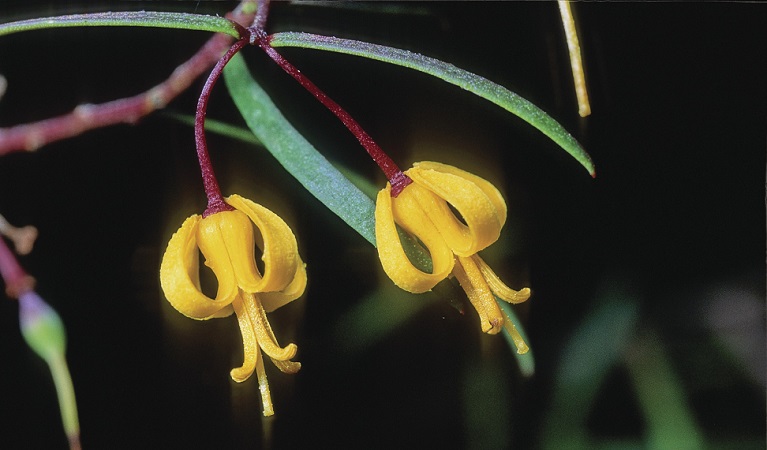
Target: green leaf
point(296, 154)
point(473, 83)
point(126, 19)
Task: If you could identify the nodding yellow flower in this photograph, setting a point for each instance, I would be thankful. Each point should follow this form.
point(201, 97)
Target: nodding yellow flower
point(227, 241)
point(423, 210)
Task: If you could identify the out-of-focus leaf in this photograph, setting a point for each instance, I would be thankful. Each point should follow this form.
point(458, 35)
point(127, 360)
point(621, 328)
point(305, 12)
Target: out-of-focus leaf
point(669, 421)
point(595, 347)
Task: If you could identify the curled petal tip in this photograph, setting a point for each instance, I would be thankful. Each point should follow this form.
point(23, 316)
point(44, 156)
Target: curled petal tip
point(240, 374)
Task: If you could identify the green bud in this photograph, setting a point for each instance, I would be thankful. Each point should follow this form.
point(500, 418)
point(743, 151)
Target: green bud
point(41, 326)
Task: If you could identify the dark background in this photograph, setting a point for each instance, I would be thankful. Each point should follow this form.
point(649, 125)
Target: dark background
point(675, 220)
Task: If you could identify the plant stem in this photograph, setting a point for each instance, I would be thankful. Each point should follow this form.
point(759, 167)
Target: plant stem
point(33, 135)
point(393, 173)
point(216, 202)
point(17, 281)
point(67, 403)
point(259, 22)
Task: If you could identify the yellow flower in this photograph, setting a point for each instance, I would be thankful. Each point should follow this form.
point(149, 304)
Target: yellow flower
point(227, 241)
point(423, 210)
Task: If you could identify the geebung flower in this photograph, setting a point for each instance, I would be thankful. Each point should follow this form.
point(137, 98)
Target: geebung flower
point(423, 210)
point(227, 241)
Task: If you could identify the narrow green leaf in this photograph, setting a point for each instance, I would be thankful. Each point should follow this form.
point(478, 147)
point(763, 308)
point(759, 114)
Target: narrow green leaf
point(126, 19)
point(296, 154)
point(447, 72)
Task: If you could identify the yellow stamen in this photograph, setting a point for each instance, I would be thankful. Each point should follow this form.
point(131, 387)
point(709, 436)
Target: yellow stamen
point(498, 287)
point(479, 293)
point(263, 385)
point(519, 342)
point(263, 330)
point(249, 343)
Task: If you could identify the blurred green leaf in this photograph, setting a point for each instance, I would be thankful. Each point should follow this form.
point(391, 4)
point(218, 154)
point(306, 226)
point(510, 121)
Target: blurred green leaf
point(669, 421)
point(594, 348)
point(218, 127)
point(473, 83)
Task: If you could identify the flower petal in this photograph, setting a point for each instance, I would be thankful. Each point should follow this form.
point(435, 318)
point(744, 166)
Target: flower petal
point(180, 278)
point(274, 300)
point(480, 212)
point(493, 194)
point(498, 287)
point(406, 211)
point(280, 250)
point(472, 281)
point(227, 241)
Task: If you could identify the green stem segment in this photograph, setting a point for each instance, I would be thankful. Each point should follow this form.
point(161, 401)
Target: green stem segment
point(67, 403)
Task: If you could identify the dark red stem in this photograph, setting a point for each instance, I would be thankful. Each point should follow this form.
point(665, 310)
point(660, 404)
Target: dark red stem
point(216, 202)
point(17, 281)
point(395, 176)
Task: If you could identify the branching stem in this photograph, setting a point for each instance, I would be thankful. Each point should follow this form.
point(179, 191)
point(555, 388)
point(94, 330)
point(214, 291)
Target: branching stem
point(393, 173)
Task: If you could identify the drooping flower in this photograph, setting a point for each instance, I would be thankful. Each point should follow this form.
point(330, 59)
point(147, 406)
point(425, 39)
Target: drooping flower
point(227, 241)
point(423, 210)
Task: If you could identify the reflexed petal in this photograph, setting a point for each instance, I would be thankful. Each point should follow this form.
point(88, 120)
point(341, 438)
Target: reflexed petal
point(249, 343)
point(280, 250)
point(483, 220)
point(274, 300)
point(179, 276)
point(406, 211)
point(264, 333)
point(498, 287)
point(287, 366)
point(472, 281)
point(487, 187)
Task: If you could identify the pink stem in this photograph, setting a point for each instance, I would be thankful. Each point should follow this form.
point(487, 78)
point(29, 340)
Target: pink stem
point(31, 136)
point(17, 281)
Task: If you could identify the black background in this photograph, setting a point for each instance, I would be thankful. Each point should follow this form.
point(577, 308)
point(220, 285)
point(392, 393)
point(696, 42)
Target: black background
point(676, 213)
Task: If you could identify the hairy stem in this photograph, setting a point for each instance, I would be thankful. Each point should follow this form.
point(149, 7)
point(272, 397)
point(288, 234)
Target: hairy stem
point(393, 173)
point(215, 200)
